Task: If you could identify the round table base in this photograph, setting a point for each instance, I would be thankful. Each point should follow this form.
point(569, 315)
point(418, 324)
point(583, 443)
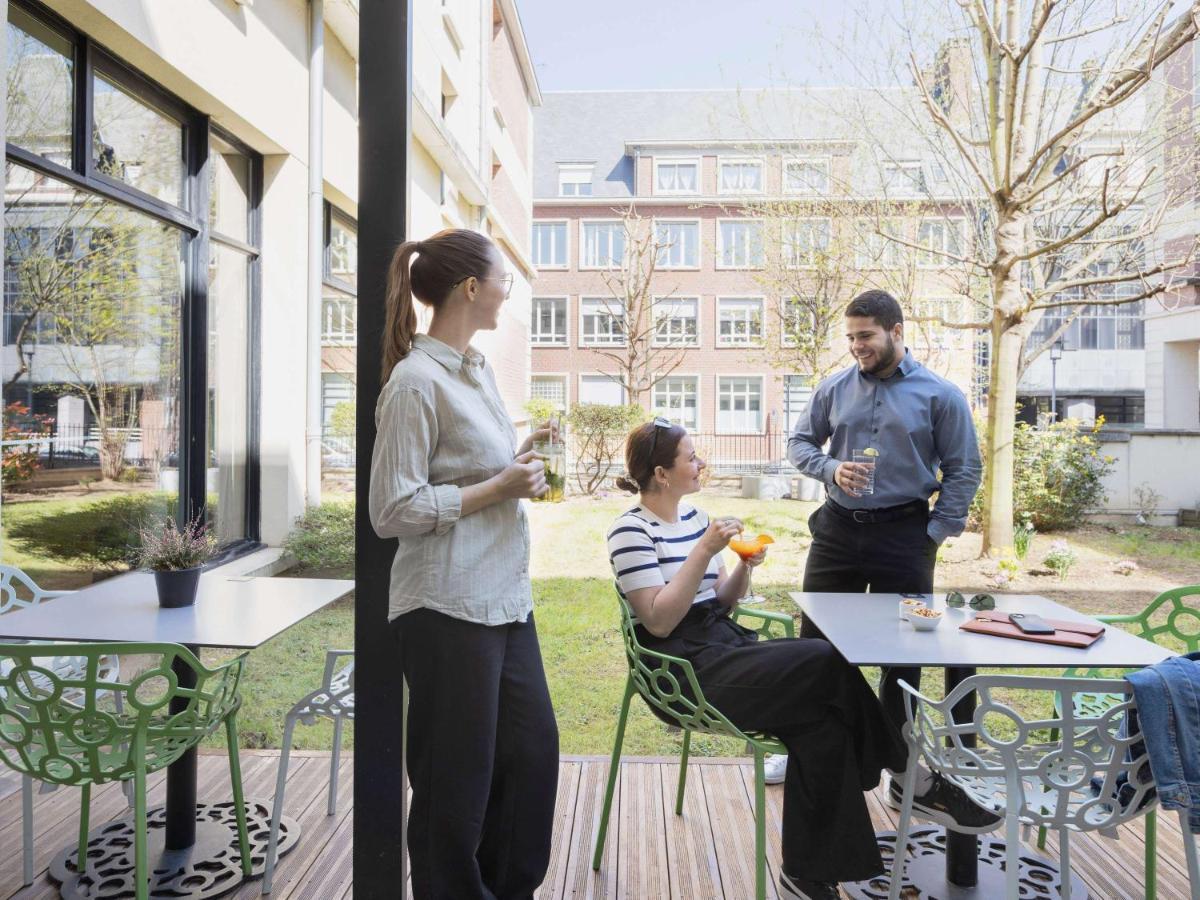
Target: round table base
point(209, 868)
point(925, 873)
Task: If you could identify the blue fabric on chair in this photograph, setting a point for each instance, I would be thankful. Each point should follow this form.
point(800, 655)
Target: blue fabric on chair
point(1168, 702)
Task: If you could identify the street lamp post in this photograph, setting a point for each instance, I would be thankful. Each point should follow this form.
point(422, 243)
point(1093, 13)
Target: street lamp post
point(1056, 352)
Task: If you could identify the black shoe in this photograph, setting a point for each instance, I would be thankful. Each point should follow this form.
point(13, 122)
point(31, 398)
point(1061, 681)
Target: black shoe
point(798, 889)
point(948, 805)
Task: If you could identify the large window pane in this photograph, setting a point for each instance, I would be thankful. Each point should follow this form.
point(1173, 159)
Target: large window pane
point(92, 299)
point(229, 189)
point(228, 391)
point(39, 96)
point(135, 143)
point(343, 251)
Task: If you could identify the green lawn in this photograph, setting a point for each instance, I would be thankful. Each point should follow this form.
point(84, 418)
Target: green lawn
point(576, 613)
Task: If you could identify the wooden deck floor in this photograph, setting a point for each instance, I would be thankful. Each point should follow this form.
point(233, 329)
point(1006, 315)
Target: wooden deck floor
point(708, 853)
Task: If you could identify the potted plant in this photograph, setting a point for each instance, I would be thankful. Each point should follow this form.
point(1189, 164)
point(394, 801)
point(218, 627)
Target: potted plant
point(175, 556)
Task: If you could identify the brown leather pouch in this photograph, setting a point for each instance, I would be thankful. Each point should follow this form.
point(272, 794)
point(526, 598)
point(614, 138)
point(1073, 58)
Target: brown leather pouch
point(1066, 634)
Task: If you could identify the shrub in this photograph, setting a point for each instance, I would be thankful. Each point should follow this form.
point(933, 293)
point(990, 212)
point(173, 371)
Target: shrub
point(599, 434)
point(323, 538)
point(1060, 559)
point(540, 411)
point(342, 419)
point(19, 463)
point(1023, 537)
point(101, 534)
point(1057, 475)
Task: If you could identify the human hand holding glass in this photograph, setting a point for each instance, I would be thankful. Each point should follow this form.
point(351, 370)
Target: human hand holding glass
point(752, 551)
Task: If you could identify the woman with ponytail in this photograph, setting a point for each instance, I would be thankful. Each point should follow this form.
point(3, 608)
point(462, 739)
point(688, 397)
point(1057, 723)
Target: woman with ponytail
point(666, 556)
point(447, 480)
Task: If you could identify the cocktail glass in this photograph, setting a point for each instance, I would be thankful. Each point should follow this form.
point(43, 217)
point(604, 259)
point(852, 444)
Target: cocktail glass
point(746, 548)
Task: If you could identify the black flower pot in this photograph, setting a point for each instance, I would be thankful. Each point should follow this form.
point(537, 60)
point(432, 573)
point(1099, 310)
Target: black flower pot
point(177, 588)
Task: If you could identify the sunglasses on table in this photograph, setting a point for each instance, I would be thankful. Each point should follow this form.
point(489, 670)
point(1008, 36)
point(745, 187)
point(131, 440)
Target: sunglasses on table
point(979, 601)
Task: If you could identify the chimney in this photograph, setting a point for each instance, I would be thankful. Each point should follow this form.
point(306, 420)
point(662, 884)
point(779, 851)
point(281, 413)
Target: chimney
point(952, 73)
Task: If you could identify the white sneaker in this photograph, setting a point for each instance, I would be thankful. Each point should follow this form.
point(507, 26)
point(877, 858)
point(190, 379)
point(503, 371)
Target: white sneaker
point(775, 768)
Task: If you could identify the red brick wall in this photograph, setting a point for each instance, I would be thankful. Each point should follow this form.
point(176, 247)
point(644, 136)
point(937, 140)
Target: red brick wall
point(508, 91)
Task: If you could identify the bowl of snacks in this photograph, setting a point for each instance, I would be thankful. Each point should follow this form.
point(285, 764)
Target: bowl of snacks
point(907, 605)
point(924, 618)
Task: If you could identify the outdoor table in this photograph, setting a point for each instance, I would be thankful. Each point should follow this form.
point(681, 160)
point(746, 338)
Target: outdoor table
point(866, 629)
point(193, 847)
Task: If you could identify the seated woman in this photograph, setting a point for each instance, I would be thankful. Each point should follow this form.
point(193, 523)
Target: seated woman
point(666, 556)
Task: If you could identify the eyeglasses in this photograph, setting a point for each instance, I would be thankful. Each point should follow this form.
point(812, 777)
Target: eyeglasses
point(659, 422)
point(979, 601)
point(506, 279)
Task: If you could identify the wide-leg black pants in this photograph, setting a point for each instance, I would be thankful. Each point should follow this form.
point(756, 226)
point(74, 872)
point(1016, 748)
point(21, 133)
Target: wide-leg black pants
point(482, 757)
point(822, 709)
point(885, 557)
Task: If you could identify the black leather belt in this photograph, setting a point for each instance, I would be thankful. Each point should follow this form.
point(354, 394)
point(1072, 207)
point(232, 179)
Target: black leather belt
point(876, 516)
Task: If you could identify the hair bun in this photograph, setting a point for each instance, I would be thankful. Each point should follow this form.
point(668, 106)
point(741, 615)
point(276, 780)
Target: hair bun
point(626, 483)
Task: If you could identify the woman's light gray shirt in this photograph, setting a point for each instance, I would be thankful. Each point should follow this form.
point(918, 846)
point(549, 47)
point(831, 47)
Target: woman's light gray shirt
point(442, 427)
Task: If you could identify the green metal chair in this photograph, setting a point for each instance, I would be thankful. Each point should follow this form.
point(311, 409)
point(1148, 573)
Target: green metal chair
point(668, 685)
point(1167, 621)
point(66, 729)
point(19, 591)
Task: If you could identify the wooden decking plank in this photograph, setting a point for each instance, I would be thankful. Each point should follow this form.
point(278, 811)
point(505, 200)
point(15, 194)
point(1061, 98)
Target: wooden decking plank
point(581, 882)
point(732, 820)
point(642, 865)
point(554, 885)
point(691, 849)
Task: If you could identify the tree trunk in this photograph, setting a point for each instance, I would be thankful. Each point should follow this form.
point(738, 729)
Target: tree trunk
point(1008, 338)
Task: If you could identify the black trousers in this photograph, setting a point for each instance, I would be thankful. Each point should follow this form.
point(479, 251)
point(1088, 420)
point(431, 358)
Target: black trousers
point(885, 557)
point(838, 739)
point(482, 758)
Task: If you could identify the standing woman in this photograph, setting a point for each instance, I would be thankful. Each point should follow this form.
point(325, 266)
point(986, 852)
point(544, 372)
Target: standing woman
point(447, 480)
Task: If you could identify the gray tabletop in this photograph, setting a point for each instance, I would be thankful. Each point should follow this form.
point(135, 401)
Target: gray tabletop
point(239, 612)
point(866, 629)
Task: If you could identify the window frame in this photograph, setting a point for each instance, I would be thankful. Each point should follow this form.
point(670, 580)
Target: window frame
point(584, 266)
point(566, 383)
point(698, 381)
point(762, 403)
point(566, 301)
point(656, 341)
point(934, 259)
point(892, 255)
point(761, 300)
point(191, 218)
point(568, 169)
point(660, 161)
point(904, 165)
point(699, 239)
point(611, 342)
point(811, 263)
point(750, 265)
point(827, 161)
point(723, 161)
point(593, 373)
point(566, 263)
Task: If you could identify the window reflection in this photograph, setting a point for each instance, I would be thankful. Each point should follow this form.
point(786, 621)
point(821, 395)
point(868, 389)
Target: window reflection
point(135, 143)
point(39, 95)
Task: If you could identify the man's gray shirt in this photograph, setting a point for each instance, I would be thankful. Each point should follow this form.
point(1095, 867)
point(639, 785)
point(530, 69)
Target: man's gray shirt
point(918, 421)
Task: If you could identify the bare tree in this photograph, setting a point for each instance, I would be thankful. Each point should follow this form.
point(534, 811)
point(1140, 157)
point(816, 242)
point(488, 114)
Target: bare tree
point(1051, 129)
point(640, 310)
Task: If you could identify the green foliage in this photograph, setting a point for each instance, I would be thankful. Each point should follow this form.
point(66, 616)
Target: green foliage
point(323, 538)
point(539, 411)
point(1057, 474)
point(1060, 559)
point(19, 463)
point(341, 420)
point(1023, 537)
point(165, 547)
point(100, 534)
point(599, 432)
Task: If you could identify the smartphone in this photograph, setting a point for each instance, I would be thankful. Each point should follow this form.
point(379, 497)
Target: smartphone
point(1030, 624)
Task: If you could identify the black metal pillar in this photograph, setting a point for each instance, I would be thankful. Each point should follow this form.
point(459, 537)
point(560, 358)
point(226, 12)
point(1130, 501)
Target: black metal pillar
point(385, 68)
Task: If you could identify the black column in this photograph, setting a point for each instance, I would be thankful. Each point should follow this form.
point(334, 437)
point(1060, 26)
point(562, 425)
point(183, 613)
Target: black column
point(384, 67)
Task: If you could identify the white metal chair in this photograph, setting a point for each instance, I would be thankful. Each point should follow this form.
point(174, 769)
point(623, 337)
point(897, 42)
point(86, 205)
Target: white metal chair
point(19, 591)
point(1088, 780)
point(334, 699)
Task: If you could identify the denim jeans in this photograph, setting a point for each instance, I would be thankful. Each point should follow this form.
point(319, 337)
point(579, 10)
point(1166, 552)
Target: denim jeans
point(1168, 703)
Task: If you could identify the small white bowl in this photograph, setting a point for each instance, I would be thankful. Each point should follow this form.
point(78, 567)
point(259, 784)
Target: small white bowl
point(907, 604)
point(925, 623)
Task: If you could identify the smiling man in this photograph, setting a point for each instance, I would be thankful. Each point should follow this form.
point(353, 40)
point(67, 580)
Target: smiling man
point(883, 536)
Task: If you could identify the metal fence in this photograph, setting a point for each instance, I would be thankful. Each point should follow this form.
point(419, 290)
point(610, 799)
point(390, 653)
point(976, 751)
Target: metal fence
point(78, 446)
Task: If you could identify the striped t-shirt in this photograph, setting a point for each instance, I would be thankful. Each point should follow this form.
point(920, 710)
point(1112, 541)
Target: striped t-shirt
point(646, 552)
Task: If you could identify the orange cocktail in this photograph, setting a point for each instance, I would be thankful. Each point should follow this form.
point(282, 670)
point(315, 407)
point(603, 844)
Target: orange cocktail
point(746, 548)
